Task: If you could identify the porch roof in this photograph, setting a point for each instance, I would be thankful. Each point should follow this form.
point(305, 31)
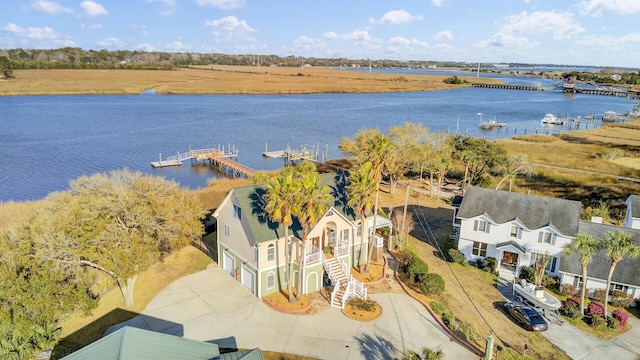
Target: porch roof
point(380, 222)
point(512, 244)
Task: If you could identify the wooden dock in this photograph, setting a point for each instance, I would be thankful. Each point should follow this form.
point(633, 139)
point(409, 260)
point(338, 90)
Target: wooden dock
point(310, 153)
point(225, 161)
point(508, 87)
point(605, 92)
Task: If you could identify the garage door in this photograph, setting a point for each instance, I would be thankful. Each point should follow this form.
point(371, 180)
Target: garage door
point(248, 279)
point(228, 263)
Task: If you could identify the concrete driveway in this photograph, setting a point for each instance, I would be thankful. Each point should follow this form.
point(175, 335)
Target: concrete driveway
point(211, 306)
point(582, 346)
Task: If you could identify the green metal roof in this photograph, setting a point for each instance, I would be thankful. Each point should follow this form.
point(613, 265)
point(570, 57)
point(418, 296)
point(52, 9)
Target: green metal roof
point(253, 354)
point(133, 343)
point(249, 198)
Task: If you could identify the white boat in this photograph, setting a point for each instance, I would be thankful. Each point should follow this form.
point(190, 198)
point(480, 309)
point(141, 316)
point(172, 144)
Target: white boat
point(551, 119)
point(609, 116)
point(536, 295)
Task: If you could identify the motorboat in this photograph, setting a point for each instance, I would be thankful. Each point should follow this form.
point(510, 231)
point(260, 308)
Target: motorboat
point(551, 119)
point(609, 116)
point(536, 295)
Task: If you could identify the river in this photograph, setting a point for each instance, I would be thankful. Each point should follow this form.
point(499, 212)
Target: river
point(46, 141)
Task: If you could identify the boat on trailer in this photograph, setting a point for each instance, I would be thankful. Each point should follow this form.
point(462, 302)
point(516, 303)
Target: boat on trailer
point(536, 296)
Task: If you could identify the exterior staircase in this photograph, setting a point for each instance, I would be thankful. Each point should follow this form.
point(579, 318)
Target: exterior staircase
point(338, 278)
point(344, 285)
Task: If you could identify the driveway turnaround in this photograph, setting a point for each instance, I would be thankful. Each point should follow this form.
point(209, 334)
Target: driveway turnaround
point(211, 306)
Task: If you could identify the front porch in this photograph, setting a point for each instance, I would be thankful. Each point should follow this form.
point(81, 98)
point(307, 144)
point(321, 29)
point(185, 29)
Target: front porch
point(510, 256)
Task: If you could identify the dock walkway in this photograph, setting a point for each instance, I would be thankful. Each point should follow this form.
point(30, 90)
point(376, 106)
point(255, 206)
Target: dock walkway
point(226, 162)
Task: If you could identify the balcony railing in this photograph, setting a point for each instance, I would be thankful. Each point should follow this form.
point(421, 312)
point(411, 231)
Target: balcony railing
point(315, 255)
point(341, 250)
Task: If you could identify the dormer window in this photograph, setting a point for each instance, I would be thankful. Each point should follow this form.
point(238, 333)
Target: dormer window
point(516, 232)
point(482, 226)
point(547, 238)
point(330, 213)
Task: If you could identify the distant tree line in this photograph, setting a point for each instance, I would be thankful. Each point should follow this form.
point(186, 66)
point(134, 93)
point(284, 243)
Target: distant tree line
point(77, 58)
point(604, 76)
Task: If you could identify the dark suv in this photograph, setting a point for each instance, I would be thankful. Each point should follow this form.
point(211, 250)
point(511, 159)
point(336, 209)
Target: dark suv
point(528, 317)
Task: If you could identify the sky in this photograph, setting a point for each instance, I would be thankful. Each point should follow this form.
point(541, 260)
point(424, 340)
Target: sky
point(561, 32)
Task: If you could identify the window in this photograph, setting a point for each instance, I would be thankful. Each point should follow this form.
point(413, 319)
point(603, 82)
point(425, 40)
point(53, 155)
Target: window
point(547, 238)
point(482, 226)
point(551, 266)
point(479, 249)
point(332, 236)
point(237, 212)
point(516, 232)
point(227, 230)
point(619, 287)
point(577, 282)
point(359, 233)
point(255, 254)
point(271, 280)
point(330, 213)
point(345, 235)
point(271, 252)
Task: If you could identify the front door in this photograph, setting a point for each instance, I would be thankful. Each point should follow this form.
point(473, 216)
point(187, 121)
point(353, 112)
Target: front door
point(509, 259)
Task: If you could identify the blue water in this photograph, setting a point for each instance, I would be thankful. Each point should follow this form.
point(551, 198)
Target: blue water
point(46, 141)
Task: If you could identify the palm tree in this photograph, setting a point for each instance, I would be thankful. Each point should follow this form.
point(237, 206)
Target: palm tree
point(378, 149)
point(467, 157)
point(361, 193)
point(310, 205)
point(585, 246)
point(618, 246)
point(515, 166)
point(279, 203)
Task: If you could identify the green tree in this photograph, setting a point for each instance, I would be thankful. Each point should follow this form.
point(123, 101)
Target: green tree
point(516, 165)
point(585, 246)
point(618, 246)
point(280, 200)
point(310, 205)
point(6, 71)
point(482, 156)
point(361, 197)
point(413, 147)
point(121, 223)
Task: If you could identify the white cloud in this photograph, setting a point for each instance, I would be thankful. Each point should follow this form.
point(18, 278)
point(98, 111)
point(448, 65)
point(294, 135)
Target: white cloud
point(330, 35)
point(502, 40)
point(443, 35)
point(50, 7)
point(437, 3)
point(168, 7)
point(145, 47)
point(235, 33)
point(33, 33)
point(406, 42)
point(222, 4)
point(358, 35)
point(396, 17)
point(91, 26)
point(602, 7)
point(111, 42)
point(93, 8)
point(628, 41)
point(561, 25)
point(178, 46)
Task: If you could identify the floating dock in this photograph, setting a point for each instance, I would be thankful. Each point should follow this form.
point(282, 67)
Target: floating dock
point(306, 152)
point(225, 161)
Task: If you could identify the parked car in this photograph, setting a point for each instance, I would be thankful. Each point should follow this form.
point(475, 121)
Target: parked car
point(527, 316)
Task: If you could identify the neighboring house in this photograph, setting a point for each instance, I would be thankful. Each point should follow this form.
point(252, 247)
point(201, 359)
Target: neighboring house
point(626, 275)
point(251, 248)
point(514, 228)
point(632, 217)
point(133, 343)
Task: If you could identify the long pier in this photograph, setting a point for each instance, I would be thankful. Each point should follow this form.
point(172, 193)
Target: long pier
point(605, 92)
point(226, 162)
point(508, 87)
point(310, 153)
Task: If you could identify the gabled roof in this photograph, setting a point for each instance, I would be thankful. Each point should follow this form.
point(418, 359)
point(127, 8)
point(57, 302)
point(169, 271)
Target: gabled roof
point(634, 200)
point(626, 271)
point(133, 343)
point(511, 243)
point(532, 211)
point(249, 198)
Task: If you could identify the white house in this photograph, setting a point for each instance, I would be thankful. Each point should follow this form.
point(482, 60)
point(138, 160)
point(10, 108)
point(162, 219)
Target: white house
point(252, 248)
point(514, 227)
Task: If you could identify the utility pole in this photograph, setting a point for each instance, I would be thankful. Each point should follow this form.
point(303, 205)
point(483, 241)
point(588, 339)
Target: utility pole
point(404, 213)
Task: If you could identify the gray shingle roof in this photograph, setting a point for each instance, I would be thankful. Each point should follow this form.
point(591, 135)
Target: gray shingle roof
point(261, 229)
point(635, 205)
point(531, 211)
point(627, 271)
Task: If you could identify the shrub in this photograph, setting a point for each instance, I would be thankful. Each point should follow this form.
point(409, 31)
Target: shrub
point(456, 256)
point(527, 273)
point(569, 290)
point(551, 282)
point(463, 329)
point(595, 309)
point(432, 284)
point(621, 316)
point(403, 258)
point(620, 298)
point(573, 302)
point(599, 295)
point(447, 319)
point(363, 305)
point(487, 264)
point(570, 312)
point(438, 308)
point(612, 323)
point(416, 269)
point(432, 354)
point(597, 321)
